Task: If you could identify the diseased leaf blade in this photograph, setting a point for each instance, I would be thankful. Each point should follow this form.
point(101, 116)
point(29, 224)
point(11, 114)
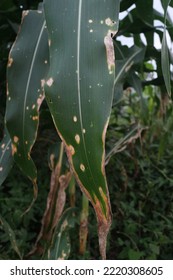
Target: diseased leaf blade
point(6, 159)
point(79, 91)
point(27, 66)
point(60, 249)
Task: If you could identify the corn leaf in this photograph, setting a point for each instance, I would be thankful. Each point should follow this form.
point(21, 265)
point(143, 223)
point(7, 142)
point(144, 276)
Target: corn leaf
point(165, 52)
point(79, 91)
point(6, 159)
point(60, 249)
point(27, 66)
point(11, 236)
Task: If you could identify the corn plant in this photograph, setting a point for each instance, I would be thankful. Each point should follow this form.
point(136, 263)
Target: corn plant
point(64, 52)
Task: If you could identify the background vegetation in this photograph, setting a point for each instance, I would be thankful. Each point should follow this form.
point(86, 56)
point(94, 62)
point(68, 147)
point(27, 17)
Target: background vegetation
point(139, 151)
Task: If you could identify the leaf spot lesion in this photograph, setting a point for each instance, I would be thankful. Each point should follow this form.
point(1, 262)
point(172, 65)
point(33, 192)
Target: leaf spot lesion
point(74, 118)
point(82, 167)
point(10, 62)
point(77, 138)
point(50, 82)
point(3, 146)
point(16, 139)
point(110, 22)
point(35, 118)
point(110, 50)
point(71, 150)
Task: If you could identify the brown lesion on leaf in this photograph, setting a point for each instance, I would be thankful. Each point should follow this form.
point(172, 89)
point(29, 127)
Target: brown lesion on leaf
point(14, 149)
point(55, 205)
point(70, 150)
point(52, 161)
point(35, 118)
point(10, 61)
point(104, 221)
point(110, 50)
point(16, 139)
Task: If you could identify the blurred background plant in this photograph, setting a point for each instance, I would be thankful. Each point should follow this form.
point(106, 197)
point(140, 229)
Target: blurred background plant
point(139, 150)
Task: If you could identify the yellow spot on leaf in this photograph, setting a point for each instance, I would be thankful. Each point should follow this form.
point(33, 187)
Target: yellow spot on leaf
point(35, 118)
point(16, 139)
point(1, 168)
point(77, 138)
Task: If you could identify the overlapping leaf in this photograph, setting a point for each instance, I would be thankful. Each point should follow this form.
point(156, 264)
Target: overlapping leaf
point(6, 159)
point(165, 53)
point(27, 66)
point(79, 90)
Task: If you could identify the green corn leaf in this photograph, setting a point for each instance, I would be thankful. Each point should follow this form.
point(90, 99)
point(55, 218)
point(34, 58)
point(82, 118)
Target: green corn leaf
point(6, 159)
point(11, 235)
point(165, 52)
point(79, 91)
point(61, 247)
point(27, 66)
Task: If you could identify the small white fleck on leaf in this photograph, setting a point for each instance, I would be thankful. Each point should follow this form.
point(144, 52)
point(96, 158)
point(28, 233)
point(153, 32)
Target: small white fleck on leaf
point(75, 119)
